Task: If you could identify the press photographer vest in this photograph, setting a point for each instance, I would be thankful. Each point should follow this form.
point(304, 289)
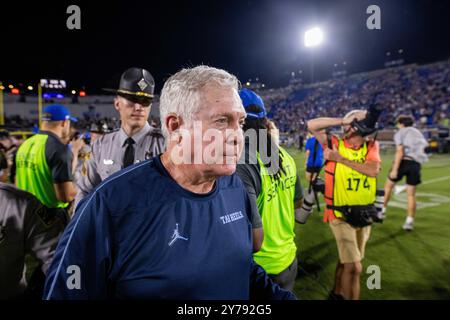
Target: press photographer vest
point(345, 186)
point(276, 207)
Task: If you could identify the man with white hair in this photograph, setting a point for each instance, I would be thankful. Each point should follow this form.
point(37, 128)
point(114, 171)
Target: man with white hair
point(353, 163)
point(175, 226)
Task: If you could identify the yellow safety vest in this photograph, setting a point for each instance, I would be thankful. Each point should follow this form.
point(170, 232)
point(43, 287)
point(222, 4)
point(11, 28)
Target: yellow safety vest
point(350, 186)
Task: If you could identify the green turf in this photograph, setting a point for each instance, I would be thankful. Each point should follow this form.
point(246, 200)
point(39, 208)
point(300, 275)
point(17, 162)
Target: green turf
point(414, 265)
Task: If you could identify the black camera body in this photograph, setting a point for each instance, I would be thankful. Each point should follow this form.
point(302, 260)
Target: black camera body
point(367, 126)
point(318, 185)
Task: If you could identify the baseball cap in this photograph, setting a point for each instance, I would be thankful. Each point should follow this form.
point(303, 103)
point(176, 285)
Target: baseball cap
point(250, 98)
point(56, 113)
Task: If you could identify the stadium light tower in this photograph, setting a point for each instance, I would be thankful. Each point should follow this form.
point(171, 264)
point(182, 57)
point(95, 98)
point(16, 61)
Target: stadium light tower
point(313, 37)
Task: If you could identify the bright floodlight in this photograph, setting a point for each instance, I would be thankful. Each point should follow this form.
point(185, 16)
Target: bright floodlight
point(313, 37)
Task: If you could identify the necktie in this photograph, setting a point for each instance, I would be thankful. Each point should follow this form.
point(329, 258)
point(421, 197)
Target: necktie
point(128, 158)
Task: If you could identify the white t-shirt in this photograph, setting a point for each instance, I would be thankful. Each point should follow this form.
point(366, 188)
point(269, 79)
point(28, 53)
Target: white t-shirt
point(414, 143)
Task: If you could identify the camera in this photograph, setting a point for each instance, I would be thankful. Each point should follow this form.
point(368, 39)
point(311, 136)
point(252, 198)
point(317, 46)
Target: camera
point(302, 214)
point(379, 205)
point(367, 126)
point(318, 185)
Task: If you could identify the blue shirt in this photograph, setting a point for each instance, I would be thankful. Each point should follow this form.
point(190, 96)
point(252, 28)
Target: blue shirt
point(318, 161)
point(140, 235)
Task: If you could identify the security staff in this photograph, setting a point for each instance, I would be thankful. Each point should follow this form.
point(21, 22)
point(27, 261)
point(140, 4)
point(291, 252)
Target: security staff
point(353, 164)
point(270, 176)
point(44, 163)
point(26, 227)
point(135, 141)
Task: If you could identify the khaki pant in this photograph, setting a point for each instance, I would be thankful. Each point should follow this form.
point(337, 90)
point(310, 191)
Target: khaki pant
point(351, 242)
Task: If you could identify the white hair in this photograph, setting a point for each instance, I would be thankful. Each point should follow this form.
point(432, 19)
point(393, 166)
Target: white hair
point(181, 92)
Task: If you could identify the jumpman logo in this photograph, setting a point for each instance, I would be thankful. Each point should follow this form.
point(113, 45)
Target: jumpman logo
point(176, 236)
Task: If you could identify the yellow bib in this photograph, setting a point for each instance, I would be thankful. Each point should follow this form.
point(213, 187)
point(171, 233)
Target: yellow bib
point(350, 186)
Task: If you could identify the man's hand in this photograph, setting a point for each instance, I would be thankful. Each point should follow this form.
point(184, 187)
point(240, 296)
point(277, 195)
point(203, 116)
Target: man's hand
point(368, 168)
point(358, 116)
point(332, 155)
point(399, 152)
point(77, 145)
point(393, 174)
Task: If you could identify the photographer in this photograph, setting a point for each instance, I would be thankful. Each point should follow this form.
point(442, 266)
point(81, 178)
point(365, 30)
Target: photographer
point(352, 165)
point(96, 131)
point(410, 145)
point(314, 157)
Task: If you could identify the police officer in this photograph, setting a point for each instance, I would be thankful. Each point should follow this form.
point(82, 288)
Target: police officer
point(135, 141)
point(26, 227)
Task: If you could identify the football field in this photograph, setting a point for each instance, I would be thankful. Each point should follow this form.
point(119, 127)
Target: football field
point(413, 265)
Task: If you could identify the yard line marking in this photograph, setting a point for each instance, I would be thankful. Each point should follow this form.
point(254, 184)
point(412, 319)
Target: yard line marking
point(436, 180)
point(424, 200)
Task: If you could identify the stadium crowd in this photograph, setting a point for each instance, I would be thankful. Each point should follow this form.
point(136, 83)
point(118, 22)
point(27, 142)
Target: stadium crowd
point(422, 91)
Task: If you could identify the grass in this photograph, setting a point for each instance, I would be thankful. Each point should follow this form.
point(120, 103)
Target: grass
point(414, 265)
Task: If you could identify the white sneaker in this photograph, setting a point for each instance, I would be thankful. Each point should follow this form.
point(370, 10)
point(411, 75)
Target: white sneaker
point(408, 226)
point(399, 189)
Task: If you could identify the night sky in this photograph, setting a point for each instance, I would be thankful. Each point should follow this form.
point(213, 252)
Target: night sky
point(248, 38)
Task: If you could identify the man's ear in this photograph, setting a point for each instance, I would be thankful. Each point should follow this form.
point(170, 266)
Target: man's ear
point(116, 103)
point(173, 123)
